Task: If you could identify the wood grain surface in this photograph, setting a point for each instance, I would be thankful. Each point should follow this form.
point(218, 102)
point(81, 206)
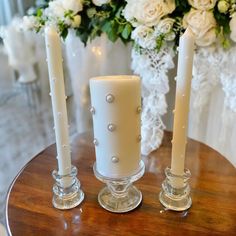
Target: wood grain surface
point(29, 209)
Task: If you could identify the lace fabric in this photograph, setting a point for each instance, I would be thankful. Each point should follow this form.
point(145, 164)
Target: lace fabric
point(153, 68)
point(214, 66)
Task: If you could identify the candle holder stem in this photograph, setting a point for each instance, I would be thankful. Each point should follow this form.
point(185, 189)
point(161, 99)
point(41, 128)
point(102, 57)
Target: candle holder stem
point(120, 195)
point(176, 198)
point(66, 191)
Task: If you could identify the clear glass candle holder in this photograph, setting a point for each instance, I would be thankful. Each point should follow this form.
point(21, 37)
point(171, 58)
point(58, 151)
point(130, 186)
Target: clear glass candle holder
point(176, 198)
point(66, 190)
point(120, 195)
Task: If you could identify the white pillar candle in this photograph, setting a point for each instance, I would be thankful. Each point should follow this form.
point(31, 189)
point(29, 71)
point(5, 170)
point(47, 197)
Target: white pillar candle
point(58, 98)
point(116, 109)
point(183, 86)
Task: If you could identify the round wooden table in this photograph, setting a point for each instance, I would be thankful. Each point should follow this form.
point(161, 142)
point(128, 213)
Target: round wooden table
point(29, 209)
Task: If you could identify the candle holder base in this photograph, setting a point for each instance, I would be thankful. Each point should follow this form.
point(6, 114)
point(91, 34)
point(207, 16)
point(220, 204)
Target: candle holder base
point(120, 195)
point(66, 191)
point(176, 198)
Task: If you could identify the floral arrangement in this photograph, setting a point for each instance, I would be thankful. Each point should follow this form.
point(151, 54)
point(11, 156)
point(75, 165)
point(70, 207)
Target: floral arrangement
point(148, 23)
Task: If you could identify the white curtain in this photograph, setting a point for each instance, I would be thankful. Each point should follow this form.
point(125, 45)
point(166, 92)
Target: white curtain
point(6, 11)
point(10, 8)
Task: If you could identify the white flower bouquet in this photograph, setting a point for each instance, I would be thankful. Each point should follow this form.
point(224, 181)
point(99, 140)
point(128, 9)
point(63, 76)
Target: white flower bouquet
point(148, 23)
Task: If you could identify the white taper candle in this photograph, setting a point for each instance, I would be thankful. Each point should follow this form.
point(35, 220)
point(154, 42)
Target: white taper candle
point(183, 87)
point(116, 109)
point(58, 98)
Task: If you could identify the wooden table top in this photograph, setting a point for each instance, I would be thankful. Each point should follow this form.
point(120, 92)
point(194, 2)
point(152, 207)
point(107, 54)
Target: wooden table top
point(213, 189)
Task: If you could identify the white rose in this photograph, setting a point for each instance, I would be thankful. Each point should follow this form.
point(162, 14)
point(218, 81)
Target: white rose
point(130, 10)
point(203, 4)
point(200, 22)
point(55, 9)
point(170, 5)
point(165, 27)
point(100, 2)
point(208, 39)
point(76, 21)
point(147, 12)
point(223, 6)
point(73, 5)
point(143, 36)
point(232, 25)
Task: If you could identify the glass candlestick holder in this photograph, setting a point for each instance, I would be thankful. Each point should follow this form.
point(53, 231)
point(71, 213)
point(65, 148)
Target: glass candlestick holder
point(66, 191)
point(175, 193)
point(120, 195)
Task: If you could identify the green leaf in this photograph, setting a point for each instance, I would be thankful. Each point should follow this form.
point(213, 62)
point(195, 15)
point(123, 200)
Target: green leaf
point(39, 12)
point(64, 33)
point(226, 43)
point(83, 36)
point(223, 28)
point(119, 12)
point(63, 29)
point(112, 31)
point(112, 36)
point(68, 13)
point(120, 28)
point(159, 41)
point(127, 31)
point(106, 27)
point(94, 33)
point(113, 5)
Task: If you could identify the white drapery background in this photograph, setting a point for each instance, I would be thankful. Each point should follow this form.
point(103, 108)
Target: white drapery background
point(11, 8)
